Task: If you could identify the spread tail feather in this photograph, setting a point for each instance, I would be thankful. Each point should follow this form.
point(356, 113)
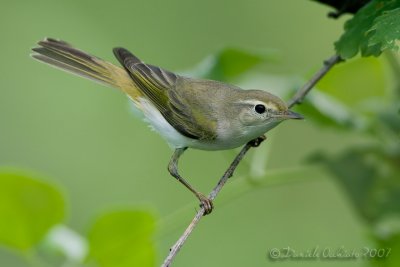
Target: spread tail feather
point(62, 55)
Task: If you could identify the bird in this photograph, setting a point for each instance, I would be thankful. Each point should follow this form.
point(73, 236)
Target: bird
point(187, 112)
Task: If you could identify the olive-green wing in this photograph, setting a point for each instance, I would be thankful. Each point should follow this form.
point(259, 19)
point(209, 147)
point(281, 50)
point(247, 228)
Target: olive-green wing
point(159, 86)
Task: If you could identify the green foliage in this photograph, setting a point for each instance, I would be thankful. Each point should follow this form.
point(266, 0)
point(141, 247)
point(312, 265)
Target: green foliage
point(123, 238)
point(373, 29)
point(32, 211)
point(28, 208)
point(386, 30)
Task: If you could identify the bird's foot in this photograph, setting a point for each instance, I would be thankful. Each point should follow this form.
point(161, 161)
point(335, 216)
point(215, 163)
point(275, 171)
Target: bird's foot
point(205, 203)
point(256, 142)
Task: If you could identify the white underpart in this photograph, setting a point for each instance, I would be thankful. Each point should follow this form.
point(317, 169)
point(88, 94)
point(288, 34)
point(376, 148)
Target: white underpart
point(159, 124)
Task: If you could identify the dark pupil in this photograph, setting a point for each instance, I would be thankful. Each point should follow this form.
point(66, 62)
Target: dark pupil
point(260, 108)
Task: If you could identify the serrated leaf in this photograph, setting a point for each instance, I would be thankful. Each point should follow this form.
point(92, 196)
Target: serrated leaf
point(386, 30)
point(229, 63)
point(28, 209)
point(358, 30)
point(123, 239)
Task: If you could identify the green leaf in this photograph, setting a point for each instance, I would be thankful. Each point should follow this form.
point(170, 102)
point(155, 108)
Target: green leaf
point(28, 209)
point(386, 30)
point(123, 238)
point(229, 63)
point(367, 23)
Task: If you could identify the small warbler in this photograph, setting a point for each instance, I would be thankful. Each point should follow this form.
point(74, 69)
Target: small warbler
point(187, 112)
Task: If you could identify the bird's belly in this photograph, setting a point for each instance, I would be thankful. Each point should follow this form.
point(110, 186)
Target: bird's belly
point(219, 144)
point(227, 139)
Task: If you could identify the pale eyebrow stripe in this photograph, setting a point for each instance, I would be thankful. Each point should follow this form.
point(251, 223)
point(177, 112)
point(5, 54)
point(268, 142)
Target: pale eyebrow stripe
point(257, 102)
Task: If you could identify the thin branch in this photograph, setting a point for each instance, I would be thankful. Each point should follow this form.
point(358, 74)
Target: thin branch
point(297, 99)
point(302, 92)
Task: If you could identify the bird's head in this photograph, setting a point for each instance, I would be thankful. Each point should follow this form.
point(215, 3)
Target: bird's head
point(260, 111)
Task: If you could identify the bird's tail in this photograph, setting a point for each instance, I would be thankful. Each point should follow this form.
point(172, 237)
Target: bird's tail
point(62, 55)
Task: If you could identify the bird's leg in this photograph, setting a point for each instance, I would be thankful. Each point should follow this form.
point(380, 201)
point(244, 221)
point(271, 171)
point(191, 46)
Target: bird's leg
point(173, 170)
point(254, 143)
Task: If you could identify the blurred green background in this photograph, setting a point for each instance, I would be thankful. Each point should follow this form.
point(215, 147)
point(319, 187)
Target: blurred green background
point(83, 138)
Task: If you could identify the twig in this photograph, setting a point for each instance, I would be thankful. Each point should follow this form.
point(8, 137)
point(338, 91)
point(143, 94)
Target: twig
point(302, 92)
point(297, 99)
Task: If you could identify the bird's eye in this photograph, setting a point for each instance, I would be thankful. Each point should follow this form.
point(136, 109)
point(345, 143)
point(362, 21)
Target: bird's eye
point(259, 108)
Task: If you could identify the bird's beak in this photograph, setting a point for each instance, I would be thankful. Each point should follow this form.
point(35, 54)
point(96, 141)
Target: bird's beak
point(293, 115)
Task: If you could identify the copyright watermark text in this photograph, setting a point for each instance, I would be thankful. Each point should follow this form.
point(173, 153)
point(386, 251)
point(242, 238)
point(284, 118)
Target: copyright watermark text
point(327, 253)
